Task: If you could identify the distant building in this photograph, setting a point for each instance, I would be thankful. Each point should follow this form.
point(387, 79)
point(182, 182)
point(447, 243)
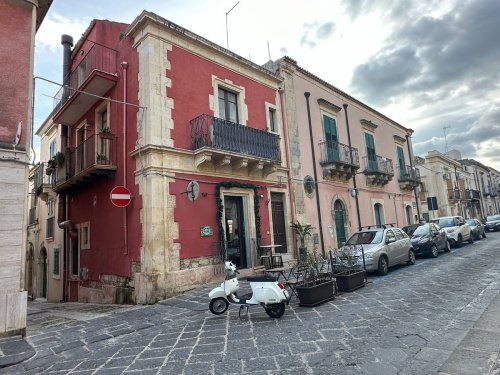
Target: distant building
point(20, 21)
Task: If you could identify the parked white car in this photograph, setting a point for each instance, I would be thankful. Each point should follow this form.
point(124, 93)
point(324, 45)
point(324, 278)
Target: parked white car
point(383, 248)
point(456, 229)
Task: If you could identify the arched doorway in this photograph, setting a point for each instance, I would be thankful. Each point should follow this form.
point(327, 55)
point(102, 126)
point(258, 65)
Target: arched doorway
point(379, 214)
point(42, 272)
point(30, 260)
point(340, 216)
point(409, 215)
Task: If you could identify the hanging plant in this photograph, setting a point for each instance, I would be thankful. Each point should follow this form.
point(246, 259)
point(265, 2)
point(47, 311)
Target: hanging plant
point(220, 208)
point(59, 158)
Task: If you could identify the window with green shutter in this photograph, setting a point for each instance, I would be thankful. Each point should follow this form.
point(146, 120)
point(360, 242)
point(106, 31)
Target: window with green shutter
point(370, 152)
point(55, 270)
point(331, 138)
point(401, 160)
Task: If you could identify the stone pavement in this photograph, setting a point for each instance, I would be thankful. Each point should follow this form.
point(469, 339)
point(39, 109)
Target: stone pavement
point(439, 316)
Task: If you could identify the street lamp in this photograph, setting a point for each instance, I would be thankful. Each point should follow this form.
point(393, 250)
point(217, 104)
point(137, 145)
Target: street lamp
point(227, 33)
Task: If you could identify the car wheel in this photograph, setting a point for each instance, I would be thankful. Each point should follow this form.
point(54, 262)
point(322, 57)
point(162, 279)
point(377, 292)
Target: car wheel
point(471, 238)
point(411, 258)
point(460, 241)
point(434, 251)
point(447, 247)
point(383, 266)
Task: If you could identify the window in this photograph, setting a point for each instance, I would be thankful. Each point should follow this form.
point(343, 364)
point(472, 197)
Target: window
point(104, 119)
point(55, 269)
point(228, 105)
point(370, 152)
point(52, 148)
point(331, 138)
point(379, 214)
point(272, 120)
point(85, 235)
point(401, 161)
point(390, 236)
point(50, 219)
point(398, 234)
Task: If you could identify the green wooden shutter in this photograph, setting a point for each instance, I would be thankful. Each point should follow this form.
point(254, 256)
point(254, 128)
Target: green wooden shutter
point(402, 164)
point(370, 152)
point(331, 138)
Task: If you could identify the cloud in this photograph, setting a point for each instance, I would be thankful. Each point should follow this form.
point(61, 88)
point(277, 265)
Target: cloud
point(316, 32)
point(54, 25)
point(443, 64)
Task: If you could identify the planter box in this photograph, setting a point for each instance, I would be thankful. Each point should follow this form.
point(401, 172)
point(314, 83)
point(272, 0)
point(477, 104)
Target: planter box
point(316, 294)
point(350, 280)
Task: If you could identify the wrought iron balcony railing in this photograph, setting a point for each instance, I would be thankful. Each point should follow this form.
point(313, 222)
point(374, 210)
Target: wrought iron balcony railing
point(95, 152)
point(335, 152)
point(41, 178)
point(378, 164)
point(217, 133)
point(98, 58)
point(474, 194)
point(455, 194)
point(407, 173)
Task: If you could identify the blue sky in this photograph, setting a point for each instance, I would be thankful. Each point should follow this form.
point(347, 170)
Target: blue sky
point(425, 64)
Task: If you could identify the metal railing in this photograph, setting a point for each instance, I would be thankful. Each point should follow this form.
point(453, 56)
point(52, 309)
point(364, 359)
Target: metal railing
point(97, 150)
point(408, 173)
point(213, 132)
point(98, 58)
point(335, 152)
point(474, 194)
point(487, 191)
point(50, 227)
point(41, 178)
point(378, 164)
point(455, 193)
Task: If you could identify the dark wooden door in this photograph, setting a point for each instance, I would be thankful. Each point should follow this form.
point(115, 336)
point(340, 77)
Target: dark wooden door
point(279, 227)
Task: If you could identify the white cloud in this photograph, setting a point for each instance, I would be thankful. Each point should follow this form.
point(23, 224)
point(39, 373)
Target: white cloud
point(54, 25)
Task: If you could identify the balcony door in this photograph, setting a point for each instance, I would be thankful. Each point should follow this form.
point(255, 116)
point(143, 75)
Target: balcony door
point(279, 227)
point(331, 138)
point(235, 225)
point(340, 215)
point(370, 152)
point(401, 161)
point(81, 153)
point(228, 105)
point(75, 269)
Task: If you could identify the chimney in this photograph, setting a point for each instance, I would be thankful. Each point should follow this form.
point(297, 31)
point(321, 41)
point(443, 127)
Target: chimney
point(67, 42)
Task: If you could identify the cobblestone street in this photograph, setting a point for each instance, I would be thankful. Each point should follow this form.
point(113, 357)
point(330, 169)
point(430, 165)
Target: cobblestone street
point(441, 315)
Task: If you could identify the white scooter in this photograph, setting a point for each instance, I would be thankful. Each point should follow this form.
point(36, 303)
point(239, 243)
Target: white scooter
point(266, 291)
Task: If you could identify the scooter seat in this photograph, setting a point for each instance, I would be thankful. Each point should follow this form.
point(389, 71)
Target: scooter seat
point(261, 279)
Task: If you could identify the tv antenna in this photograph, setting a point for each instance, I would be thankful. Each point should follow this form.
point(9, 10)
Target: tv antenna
point(227, 32)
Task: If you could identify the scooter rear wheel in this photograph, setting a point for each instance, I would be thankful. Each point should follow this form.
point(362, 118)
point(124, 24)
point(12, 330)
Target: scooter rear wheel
point(275, 311)
point(218, 305)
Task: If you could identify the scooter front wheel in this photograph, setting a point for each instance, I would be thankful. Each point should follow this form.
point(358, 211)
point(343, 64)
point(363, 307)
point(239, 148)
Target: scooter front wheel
point(275, 311)
point(218, 305)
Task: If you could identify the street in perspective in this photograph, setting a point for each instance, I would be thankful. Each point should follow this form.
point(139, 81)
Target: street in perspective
point(441, 315)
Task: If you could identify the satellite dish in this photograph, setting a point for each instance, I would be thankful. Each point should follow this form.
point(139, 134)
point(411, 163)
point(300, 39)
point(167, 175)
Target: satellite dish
point(193, 190)
point(18, 133)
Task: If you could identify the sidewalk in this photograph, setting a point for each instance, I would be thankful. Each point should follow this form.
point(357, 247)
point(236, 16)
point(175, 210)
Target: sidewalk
point(13, 350)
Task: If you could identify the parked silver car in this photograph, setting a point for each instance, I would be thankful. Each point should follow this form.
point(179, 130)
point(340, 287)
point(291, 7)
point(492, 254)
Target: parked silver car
point(383, 248)
point(456, 229)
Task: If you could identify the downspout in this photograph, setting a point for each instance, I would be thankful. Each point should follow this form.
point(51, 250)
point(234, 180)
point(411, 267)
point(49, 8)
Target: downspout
point(291, 193)
point(318, 206)
point(476, 178)
point(124, 65)
point(412, 170)
point(354, 175)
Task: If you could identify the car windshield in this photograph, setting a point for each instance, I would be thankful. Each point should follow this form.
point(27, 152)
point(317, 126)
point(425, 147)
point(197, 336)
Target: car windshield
point(364, 238)
point(445, 222)
point(493, 218)
point(421, 230)
point(471, 222)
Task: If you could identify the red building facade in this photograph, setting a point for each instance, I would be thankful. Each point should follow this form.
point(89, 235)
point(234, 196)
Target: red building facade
point(194, 132)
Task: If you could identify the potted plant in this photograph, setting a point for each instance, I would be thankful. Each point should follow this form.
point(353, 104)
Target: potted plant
point(317, 284)
point(59, 158)
point(106, 133)
point(302, 230)
point(348, 275)
point(101, 158)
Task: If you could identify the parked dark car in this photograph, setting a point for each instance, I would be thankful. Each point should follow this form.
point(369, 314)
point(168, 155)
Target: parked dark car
point(493, 223)
point(427, 239)
point(477, 228)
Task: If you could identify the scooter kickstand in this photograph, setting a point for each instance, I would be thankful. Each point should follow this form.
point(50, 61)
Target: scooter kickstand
point(241, 308)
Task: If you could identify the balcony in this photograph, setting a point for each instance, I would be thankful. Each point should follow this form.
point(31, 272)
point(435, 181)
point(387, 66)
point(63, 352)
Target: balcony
point(91, 79)
point(379, 171)
point(218, 143)
point(473, 195)
point(456, 194)
point(338, 160)
point(95, 158)
point(409, 178)
point(488, 191)
point(43, 183)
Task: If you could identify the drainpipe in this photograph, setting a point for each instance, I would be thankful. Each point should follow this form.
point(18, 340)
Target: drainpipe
point(291, 193)
point(412, 170)
point(354, 175)
point(318, 206)
point(124, 65)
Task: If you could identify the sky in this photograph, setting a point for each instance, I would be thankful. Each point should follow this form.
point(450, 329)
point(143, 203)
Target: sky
point(432, 66)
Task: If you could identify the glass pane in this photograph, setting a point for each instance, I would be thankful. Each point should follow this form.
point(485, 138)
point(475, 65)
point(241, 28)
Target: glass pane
point(233, 113)
point(222, 109)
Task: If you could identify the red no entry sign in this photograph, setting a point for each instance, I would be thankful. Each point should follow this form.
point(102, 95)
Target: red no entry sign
point(120, 196)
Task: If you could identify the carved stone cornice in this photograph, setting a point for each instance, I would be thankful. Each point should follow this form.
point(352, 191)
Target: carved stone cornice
point(325, 103)
point(368, 124)
point(399, 139)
